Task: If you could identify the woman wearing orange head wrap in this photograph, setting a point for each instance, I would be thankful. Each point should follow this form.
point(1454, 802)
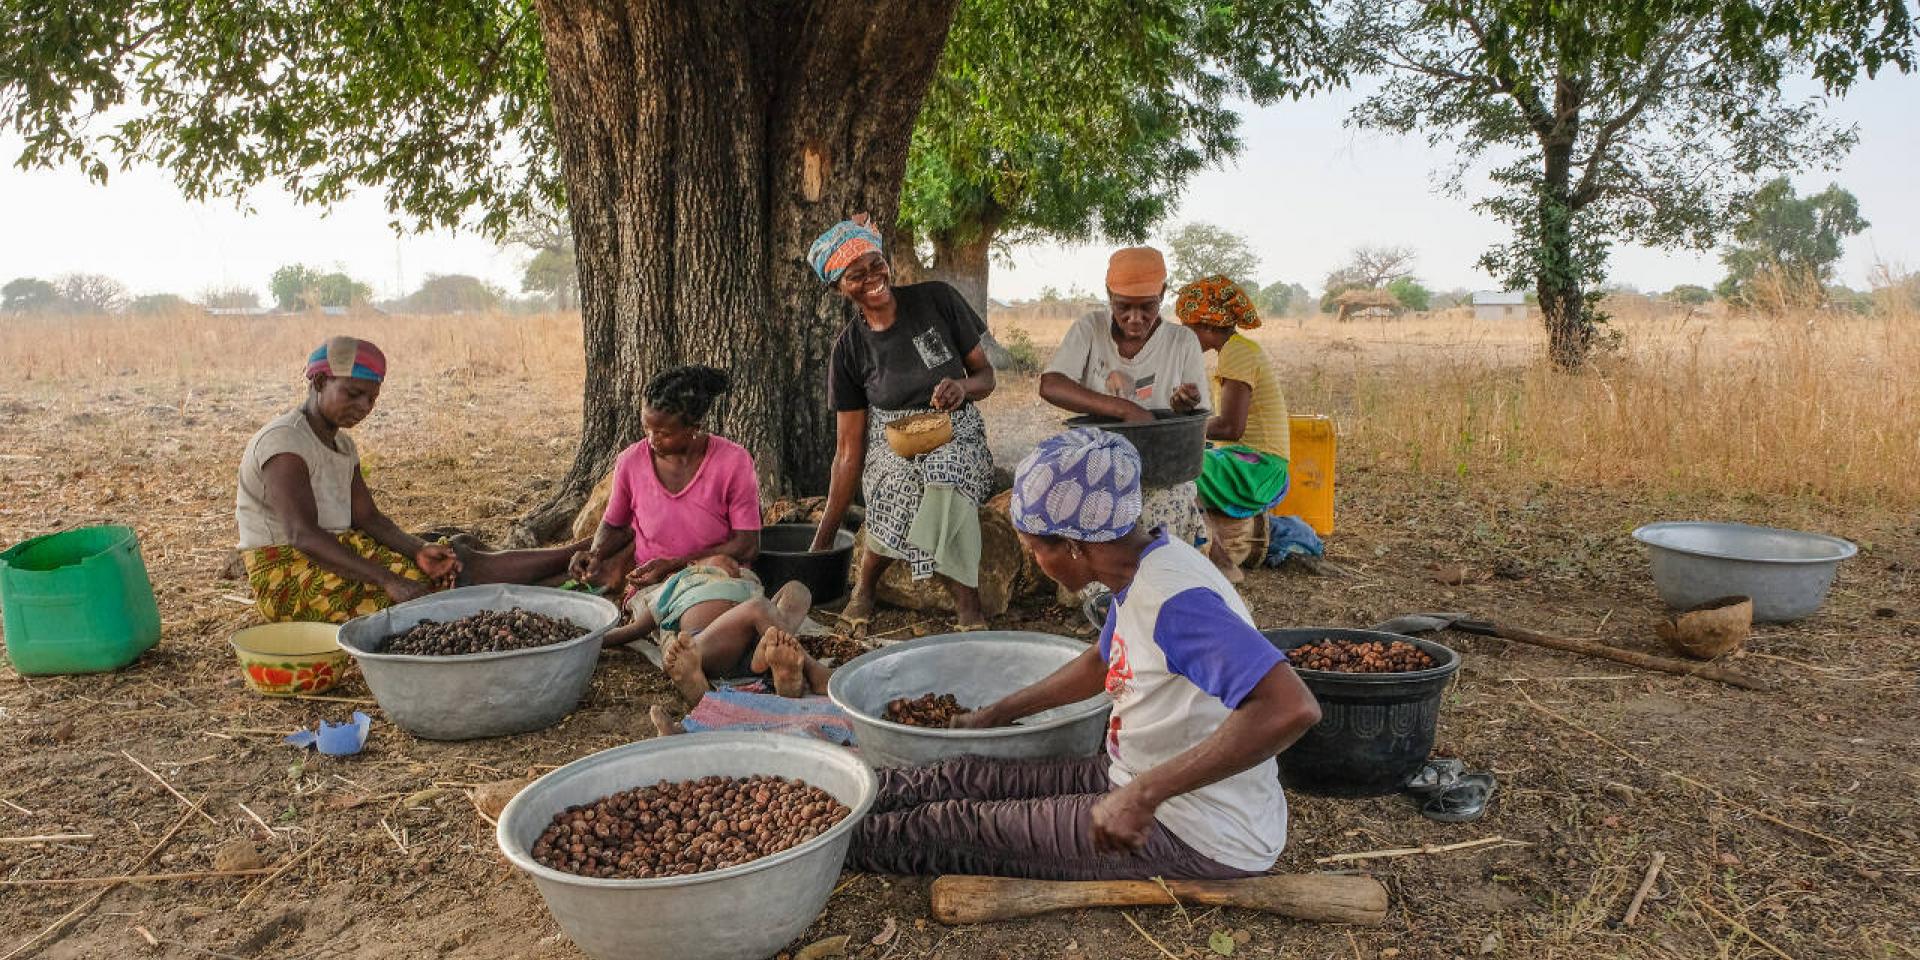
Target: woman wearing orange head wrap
point(1245, 471)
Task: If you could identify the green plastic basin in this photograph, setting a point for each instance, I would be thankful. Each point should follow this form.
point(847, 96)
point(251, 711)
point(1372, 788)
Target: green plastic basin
point(77, 601)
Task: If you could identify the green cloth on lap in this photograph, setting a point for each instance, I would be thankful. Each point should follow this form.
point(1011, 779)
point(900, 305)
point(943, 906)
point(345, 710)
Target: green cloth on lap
point(694, 586)
point(1240, 481)
point(947, 526)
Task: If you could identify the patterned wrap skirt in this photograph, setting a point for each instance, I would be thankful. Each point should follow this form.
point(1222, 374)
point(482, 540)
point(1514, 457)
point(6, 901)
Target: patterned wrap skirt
point(288, 585)
point(895, 487)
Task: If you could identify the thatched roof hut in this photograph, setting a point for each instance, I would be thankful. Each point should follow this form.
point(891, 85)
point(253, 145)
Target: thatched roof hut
point(1366, 302)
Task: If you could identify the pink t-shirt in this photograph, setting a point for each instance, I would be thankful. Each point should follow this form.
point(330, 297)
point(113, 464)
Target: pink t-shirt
point(723, 497)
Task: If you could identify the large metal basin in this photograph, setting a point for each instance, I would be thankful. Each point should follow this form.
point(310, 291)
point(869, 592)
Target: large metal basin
point(1786, 572)
point(1171, 447)
point(744, 912)
point(480, 694)
point(977, 668)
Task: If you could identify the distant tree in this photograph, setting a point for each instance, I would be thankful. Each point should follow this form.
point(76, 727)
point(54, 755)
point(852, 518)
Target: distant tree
point(1202, 249)
point(1690, 294)
point(300, 287)
point(1410, 293)
point(230, 298)
point(1456, 297)
point(451, 293)
point(1299, 300)
point(160, 305)
point(29, 295)
point(1788, 244)
point(1275, 299)
point(1600, 122)
point(554, 269)
point(92, 293)
point(555, 274)
point(1372, 267)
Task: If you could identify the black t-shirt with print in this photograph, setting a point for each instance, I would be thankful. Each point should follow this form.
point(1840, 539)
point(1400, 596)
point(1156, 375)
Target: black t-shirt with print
point(896, 369)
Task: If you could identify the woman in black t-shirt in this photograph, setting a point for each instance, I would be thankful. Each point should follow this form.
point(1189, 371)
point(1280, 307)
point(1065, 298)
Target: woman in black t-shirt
point(909, 350)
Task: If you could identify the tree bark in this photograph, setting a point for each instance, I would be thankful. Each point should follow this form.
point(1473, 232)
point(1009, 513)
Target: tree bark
point(966, 265)
point(1557, 282)
point(704, 147)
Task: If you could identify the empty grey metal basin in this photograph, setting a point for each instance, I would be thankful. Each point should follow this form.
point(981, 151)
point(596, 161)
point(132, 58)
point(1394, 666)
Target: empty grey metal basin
point(744, 912)
point(977, 668)
point(480, 694)
point(1786, 572)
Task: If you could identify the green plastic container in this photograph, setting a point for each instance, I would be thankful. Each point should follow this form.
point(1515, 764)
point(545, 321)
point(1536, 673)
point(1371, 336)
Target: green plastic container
point(77, 601)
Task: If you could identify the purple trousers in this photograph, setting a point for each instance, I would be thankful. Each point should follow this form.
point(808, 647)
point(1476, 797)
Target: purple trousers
point(1010, 818)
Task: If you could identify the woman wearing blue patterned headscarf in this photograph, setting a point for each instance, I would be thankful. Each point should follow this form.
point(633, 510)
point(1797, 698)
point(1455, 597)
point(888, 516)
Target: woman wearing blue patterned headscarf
point(911, 350)
point(1187, 785)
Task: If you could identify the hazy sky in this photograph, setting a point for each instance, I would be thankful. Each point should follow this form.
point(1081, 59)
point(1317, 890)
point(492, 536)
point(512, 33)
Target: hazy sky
point(1305, 190)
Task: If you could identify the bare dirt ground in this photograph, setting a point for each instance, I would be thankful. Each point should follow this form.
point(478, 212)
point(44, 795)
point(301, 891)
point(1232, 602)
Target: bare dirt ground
point(1788, 818)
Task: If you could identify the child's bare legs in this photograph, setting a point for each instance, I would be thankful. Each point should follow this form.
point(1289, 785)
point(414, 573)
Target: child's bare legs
point(725, 639)
point(795, 674)
point(681, 661)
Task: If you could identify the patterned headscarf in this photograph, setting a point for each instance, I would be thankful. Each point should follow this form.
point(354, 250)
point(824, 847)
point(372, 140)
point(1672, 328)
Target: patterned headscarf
point(1083, 485)
point(840, 246)
point(347, 357)
point(1215, 301)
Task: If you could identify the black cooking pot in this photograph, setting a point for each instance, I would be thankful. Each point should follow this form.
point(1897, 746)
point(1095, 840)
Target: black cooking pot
point(784, 557)
point(1171, 446)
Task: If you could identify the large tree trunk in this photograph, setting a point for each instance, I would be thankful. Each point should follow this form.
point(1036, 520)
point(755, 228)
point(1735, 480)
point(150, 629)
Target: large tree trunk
point(705, 146)
point(964, 265)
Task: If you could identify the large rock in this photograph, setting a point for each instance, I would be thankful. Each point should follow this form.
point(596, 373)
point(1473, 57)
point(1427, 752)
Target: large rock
point(1007, 572)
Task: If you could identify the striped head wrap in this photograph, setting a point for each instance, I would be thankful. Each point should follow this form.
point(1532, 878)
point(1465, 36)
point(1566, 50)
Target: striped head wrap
point(1215, 301)
point(1083, 485)
point(840, 246)
point(347, 357)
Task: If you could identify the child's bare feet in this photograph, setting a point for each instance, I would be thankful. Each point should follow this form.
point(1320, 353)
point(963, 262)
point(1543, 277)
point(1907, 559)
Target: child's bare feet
point(791, 604)
point(664, 725)
point(780, 653)
point(682, 664)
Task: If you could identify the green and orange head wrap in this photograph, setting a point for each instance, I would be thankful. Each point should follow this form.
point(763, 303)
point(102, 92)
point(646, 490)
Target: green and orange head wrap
point(1215, 301)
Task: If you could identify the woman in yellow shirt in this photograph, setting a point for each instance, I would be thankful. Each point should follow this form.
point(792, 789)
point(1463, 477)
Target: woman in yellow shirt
point(1245, 472)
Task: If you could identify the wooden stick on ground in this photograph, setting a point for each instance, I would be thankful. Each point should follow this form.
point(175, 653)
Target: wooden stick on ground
point(162, 781)
point(1743, 928)
point(49, 838)
point(1409, 851)
point(1646, 887)
point(137, 878)
point(53, 929)
point(1685, 668)
point(1149, 937)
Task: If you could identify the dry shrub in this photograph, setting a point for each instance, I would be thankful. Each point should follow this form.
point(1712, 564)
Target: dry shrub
point(188, 349)
point(1802, 402)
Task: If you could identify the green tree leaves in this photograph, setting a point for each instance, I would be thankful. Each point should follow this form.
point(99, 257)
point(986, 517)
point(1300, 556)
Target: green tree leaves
point(1785, 246)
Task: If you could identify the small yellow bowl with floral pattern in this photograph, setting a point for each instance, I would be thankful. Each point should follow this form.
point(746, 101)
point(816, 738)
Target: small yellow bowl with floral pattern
point(286, 659)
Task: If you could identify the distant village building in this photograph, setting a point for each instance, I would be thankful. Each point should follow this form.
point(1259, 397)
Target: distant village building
point(1500, 305)
point(239, 311)
point(1366, 302)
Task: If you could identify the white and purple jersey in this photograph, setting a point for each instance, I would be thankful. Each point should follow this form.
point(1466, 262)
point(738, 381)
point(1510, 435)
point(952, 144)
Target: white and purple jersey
point(1182, 653)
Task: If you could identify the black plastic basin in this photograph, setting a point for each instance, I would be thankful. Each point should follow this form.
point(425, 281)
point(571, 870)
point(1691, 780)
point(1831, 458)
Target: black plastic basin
point(1375, 729)
point(784, 557)
point(1171, 447)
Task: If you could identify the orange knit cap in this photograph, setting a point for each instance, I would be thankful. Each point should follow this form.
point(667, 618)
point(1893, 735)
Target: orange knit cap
point(1137, 272)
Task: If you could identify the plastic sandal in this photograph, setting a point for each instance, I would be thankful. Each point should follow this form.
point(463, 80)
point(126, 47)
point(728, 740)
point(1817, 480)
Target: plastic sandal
point(969, 627)
point(1436, 776)
point(1464, 801)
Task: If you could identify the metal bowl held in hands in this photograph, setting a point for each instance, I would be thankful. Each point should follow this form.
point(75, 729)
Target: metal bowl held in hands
point(1375, 729)
point(977, 668)
point(1786, 572)
point(1171, 447)
point(784, 556)
point(743, 912)
point(464, 696)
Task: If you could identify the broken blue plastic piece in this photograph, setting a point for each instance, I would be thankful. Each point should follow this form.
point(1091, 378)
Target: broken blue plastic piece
point(335, 739)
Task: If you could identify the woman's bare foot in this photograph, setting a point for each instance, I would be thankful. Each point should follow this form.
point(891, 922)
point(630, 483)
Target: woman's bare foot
point(1217, 553)
point(791, 604)
point(664, 725)
point(857, 614)
point(780, 654)
point(682, 664)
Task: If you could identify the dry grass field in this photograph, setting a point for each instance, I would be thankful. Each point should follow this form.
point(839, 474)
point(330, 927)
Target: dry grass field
point(1471, 478)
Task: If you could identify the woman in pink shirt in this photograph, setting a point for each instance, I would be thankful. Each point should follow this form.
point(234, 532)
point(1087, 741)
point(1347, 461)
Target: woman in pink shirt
point(682, 522)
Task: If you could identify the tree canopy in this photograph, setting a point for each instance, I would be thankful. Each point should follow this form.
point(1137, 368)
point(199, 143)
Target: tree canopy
point(1788, 243)
point(301, 287)
point(1201, 249)
point(1600, 121)
point(451, 293)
